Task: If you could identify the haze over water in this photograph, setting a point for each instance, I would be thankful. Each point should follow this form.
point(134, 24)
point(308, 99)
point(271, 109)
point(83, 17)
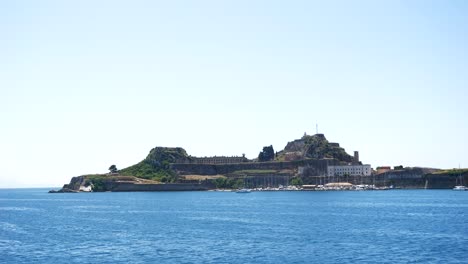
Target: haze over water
point(410, 226)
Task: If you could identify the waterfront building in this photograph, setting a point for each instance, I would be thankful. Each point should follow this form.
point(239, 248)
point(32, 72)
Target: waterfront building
point(352, 170)
point(383, 169)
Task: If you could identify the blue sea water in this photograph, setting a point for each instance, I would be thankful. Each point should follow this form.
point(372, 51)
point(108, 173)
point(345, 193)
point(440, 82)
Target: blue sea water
point(397, 226)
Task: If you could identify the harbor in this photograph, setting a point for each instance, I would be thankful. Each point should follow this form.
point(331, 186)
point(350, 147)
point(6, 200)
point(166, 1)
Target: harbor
point(335, 186)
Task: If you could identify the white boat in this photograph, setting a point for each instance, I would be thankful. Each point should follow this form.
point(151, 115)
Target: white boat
point(459, 180)
point(460, 188)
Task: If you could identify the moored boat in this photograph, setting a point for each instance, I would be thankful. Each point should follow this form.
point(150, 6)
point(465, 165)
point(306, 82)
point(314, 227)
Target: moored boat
point(460, 188)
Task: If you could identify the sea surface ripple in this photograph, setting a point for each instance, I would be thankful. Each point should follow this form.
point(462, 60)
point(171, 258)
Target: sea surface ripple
point(397, 226)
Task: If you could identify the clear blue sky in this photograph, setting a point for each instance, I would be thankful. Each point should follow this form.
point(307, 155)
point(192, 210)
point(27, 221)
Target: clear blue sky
point(87, 84)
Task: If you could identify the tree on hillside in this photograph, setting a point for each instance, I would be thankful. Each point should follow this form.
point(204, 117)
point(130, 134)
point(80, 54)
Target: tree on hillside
point(113, 169)
point(267, 154)
point(296, 181)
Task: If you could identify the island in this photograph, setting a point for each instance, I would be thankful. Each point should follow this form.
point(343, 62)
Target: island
point(308, 163)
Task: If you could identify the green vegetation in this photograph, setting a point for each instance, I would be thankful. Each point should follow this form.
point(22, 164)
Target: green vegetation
point(98, 182)
point(113, 169)
point(318, 147)
point(267, 154)
point(150, 170)
point(169, 155)
point(156, 166)
point(296, 181)
point(228, 183)
point(452, 172)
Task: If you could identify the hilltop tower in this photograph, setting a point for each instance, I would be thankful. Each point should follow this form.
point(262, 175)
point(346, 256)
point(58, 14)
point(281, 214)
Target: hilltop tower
point(356, 156)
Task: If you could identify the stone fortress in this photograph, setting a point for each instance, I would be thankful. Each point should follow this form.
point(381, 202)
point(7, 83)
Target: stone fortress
point(298, 149)
point(311, 158)
point(315, 161)
point(309, 161)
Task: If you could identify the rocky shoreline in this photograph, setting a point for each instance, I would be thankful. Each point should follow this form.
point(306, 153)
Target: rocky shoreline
point(112, 183)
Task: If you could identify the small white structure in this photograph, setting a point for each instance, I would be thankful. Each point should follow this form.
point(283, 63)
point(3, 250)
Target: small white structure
point(352, 170)
point(86, 189)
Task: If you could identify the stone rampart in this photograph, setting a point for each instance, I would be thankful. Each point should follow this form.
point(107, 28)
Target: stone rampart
point(130, 187)
point(320, 166)
point(444, 181)
point(418, 178)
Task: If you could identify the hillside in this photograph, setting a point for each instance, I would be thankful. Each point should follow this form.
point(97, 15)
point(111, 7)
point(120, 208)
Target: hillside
point(156, 166)
point(172, 165)
point(314, 147)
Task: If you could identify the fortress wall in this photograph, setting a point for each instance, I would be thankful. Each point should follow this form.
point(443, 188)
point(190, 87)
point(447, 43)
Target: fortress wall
point(419, 178)
point(224, 169)
point(408, 178)
point(130, 187)
point(444, 181)
point(416, 178)
point(401, 180)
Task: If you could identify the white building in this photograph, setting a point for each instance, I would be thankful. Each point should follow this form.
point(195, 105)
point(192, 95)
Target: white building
point(86, 189)
point(352, 170)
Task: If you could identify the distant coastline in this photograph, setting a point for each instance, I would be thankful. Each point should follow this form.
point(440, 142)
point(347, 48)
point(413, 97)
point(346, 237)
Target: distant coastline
point(309, 161)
